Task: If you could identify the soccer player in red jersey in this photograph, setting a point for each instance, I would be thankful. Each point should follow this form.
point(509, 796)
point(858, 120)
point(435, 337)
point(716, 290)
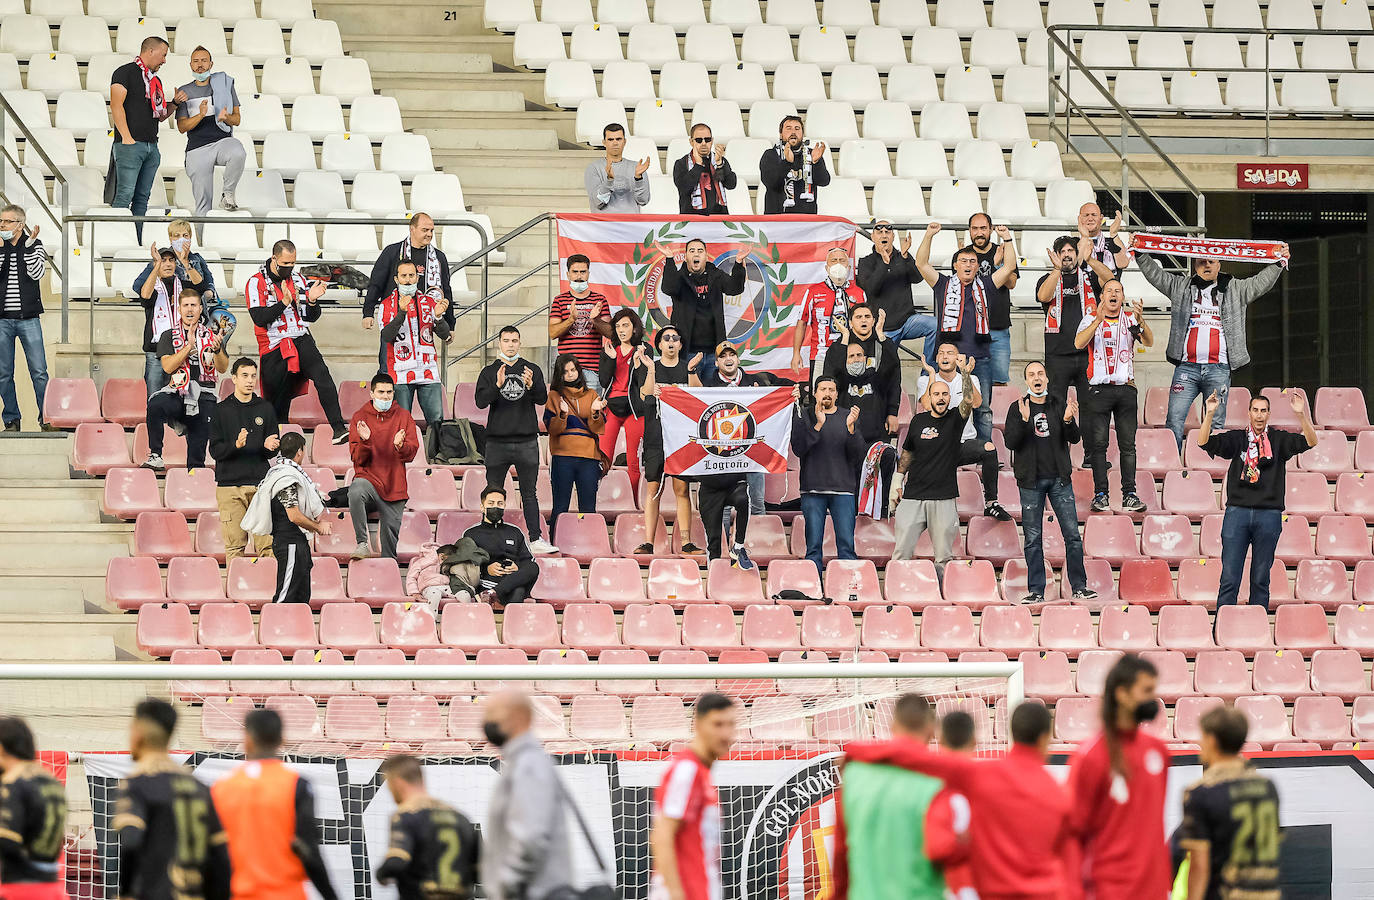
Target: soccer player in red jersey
point(685, 839)
point(1020, 813)
point(949, 816)
point(1117, 781)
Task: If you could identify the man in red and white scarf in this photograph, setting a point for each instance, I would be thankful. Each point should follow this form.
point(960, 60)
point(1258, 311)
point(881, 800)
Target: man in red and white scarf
point(412, 321)
point(281, 308)
point(138, 105)
point(703, 176)
point(192, 355)
point(825, 312)
point(1255, 490)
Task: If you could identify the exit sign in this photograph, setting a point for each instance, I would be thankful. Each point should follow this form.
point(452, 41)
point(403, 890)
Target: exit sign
point(1271, 176)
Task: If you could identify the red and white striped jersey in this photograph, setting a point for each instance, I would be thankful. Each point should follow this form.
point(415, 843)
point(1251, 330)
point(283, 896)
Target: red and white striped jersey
point(687, 794)
point(261, 291)
point(1206, 341)
point(823, 312)
point(1111, 355)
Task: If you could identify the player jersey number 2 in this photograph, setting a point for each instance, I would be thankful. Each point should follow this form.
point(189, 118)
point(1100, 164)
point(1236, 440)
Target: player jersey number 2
point(450, 880)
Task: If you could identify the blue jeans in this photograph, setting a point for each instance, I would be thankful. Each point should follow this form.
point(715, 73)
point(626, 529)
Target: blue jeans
point(917, 326)
point(982, 416)
point(1001, 356)
point(707, 368)
point(1190, 381)
point(29, 333)
point(153, 375)
point(843, 508)
point(431, 399)
point(593, 379)
point(755, 481)
point(564, 473)
point(1256, 531)
point(1060, 493)
point(135, 168)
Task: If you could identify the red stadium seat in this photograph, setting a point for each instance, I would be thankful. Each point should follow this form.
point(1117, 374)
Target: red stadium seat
point(1199, 579)
point(380, 656)
point(1156, 451)
point(465, 719)
point(1295, 541)
point(1126, 628)
point(768, 627)
point(194, 580)
point(1015, 583)
point(1342, 408)
point(323, 451)
point(162, 535)
point(99, 448)
point(1345, 538)
point(227, 627)
point(415, 531)
point(912, 583)
point(414, 718)
point(326, 582)
point(1280, 590)
point(1168, 537)
point(131, 581)
point(375, 582)
point(948, 628)
point(431, 491)
point(971, 583)
point(1047, 675)
point(828, 550)
point(1077, 719)
point(685, 688)
point(173, 447)
point(1175, 679)
point(530, 627)
point(1322, 581)
point(70, 402)
point(1355, 495)
point(735, 587)
point(840, 725)
point(675, 581)
point(829, 628)
point(259, 690)
point(1197, 459)
point(628, 687)
point(1364, 581)
point(1067, 628)
point(1302, 626)
point(1147, 582)
point(1364, 451)
point(1362, 718)
point(590, 627)
point(1322, 720)
point(191, 491)
point(1007, 628)
point(1188, 712)
point(1222, 673)
point(583, 536)
point(348, 627)
point(794, 574)
point(616, 581)
point(1244, 628)
point(470, 626)
point(1186, 628)
point(287, 627)
point(992, 540)
point(614, 495)
point(659, 720)
point(629, 534)
point(840, 582)
point(340, 544)
point(1283, 673)
point(442, 656)
point(453, 523)
point(1307, 494)
point(710, 627)
point(165, 627)
point(500, 656)
point(221, 720)
point(653, 627)
point(209, 537)
point(1339, 673)
point(1189, 493)
point(1268, 717)
point(1355, 628)
point(1281, 414)
point(767, 539)
point(124, 401)
point(598, 718)
point(407, 626)
point(130, 491)
point(560, 581)
point(1330, 457)
point(465, 403)
point(777, 719)
point(888, 628)
point(195, 691)
point(353, 719)
point(318, 688)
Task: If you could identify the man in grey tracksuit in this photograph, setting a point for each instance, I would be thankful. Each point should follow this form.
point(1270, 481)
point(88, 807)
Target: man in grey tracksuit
point(525, 850)
point(1206, 329)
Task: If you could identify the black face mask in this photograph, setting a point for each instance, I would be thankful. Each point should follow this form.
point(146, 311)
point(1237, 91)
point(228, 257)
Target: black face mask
point(283, 273)
point(1147, 711)
point(494, 514)
point(495, 736)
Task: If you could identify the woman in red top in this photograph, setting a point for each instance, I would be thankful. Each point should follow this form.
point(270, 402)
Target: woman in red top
point(623, 369)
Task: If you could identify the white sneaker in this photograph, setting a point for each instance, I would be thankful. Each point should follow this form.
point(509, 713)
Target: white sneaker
point(227, 201)
point(542, 546)
point(154, 462)
point(362, 551)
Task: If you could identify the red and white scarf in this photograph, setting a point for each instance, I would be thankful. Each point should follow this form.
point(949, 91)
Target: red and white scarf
point(412, 358)
point(433, 274)
point(872, 485)
point(1223, 249)
point(706, 185)
point(152, 89)
point(1257, 447)
point(1101, 253)
point(952, 312)
point(204, 355)
point(1085, 294)
point(165, 304)
point(263, 290)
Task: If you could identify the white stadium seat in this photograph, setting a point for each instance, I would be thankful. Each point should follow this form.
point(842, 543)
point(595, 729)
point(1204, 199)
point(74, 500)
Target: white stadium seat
point(229, 232)
point(84, 36)
point(112, 10)
point(724, 118)
point(685, 82)
point(171, 11)
point(437, 193)
point(994, 49)
point(317, 116)
point(1014, 201)
point(1220, 50)
point(95, 150)
point(303, 235)
point(289, 12)
point(1245, 93)
point(831, 121)
point(1290, 14)
point(288, 152)
point(653, 44)
point(799, 83)
point(794, 15)
point(568, 82)
point(1282, 52)
point(597, 44)
point(58, 143)
point(1195, 91)
point(843, 197)
point(288, 76)
point(1037, 52)
point(1307, 93)
point(55, 74)
point(319, 192)
point(81, 282)
point(76, 110)
point(1037, 162)
point(1355, 93)
point(1137, 90)
point(1105, 50)
point(1157, 49)
point(57, 10)
point(99, 69)
point(622, 13)
point(507, 15)
point(133, 30)
point(10, 79)
point(969, 85)
point(566, 13)
point(826, 47)
point(346, 77)
point(681, 14)
point(880, 47)
point(712, 44)
point(923, 160)
point(1181, 14)
point(1021, 16)
point(765, 115)
point(347, 154)
point(25, 36)
point(659, 120)
point(200, 32)
point(1345, 15)
point(260, 191)
point(1324, 52)
point(904, 15)
point(638, 148)
point(848, 15)
point(889, 121)
point(964, 16)
point(31, 107)
point(351, 238)
point(856, 84)
point(1131, 13)
point(176, 70)
point(259, 39)
point(171, 146)
point(230, 10)
point(945, 122)
point(767, 45)
point(662, 196)
point(898, 200)
point(743, 83)
point(245, 76)
point(744, 154)
point(866, 160)
point(914, 85)
point(378, 193)
point(1064, 198)
point(736, 14)
point(316, 40)
point(979, 161)
point(1364, 53)
point(595, 114)
point(954, 200)
point(628, 81)
point(1071, 12)
point(938, 48)
point(1002, 123)
point(406, 154)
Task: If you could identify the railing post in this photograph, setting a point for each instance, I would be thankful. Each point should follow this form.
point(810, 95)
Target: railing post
point(1050, 109)
point(66, 258)
point(1125, 175)
point(1268, 86)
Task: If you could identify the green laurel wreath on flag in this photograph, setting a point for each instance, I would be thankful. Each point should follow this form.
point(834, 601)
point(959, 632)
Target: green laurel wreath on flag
point(775, 322)
point(642, 259)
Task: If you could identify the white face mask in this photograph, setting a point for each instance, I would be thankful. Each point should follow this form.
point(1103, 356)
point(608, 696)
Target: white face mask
point(6, 235)
point(407, 290)
point(181, 245)
point(509, 358)
point(839, 273)
point(1040, 396)
point(381, 405)
point(578, 286)
point(205, 76)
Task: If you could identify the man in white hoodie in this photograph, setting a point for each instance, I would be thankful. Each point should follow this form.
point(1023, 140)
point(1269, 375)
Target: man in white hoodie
point(290, 507)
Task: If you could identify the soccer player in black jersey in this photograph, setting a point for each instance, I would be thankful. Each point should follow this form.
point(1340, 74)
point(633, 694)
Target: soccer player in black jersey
point(171, 845)
point(33, 818)
point(1230, 818)
point(433, 852)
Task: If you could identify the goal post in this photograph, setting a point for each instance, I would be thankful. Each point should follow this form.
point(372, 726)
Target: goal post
point(610, 727)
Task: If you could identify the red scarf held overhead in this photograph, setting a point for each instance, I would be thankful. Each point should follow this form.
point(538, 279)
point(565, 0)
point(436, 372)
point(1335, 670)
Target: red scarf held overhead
point(152, 89)
point(1085, 294)
point(1223, 249)
point(1257, 447)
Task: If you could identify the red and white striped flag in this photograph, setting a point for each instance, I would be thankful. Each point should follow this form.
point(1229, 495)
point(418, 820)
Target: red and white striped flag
point(787, 254)
point(719, 431)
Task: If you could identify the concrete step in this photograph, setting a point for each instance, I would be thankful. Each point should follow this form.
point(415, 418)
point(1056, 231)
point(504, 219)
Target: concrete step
point(77, 502)
point(24, 457)
point(27, 551)
point(438, 101)
point(498, 47)
point(62, 644)
point(90, 587)
point(444, 134)
point(431, 17)
point(27, 601)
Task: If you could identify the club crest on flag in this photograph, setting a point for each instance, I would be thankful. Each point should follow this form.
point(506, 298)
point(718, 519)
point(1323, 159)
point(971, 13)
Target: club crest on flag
point(726, 429)
point(718, 431)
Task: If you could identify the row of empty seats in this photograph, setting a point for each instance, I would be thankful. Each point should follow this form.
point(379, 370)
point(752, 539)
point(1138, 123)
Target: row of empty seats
point(27, 36)
point(287, 12)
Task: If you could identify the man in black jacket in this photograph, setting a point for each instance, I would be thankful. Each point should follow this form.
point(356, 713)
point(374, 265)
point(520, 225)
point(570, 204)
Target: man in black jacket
point(869, 375)
point(514, 389)
point(243, 438)
point(698, 289)
point(511, 571)
point(430, 263)
point(791, 170)
point(702, 180)
point(1039, 429)
point(886, 276)
point(830, 449)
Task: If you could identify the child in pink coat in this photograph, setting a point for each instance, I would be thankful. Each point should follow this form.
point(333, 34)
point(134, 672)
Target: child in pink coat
point(425, 580)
